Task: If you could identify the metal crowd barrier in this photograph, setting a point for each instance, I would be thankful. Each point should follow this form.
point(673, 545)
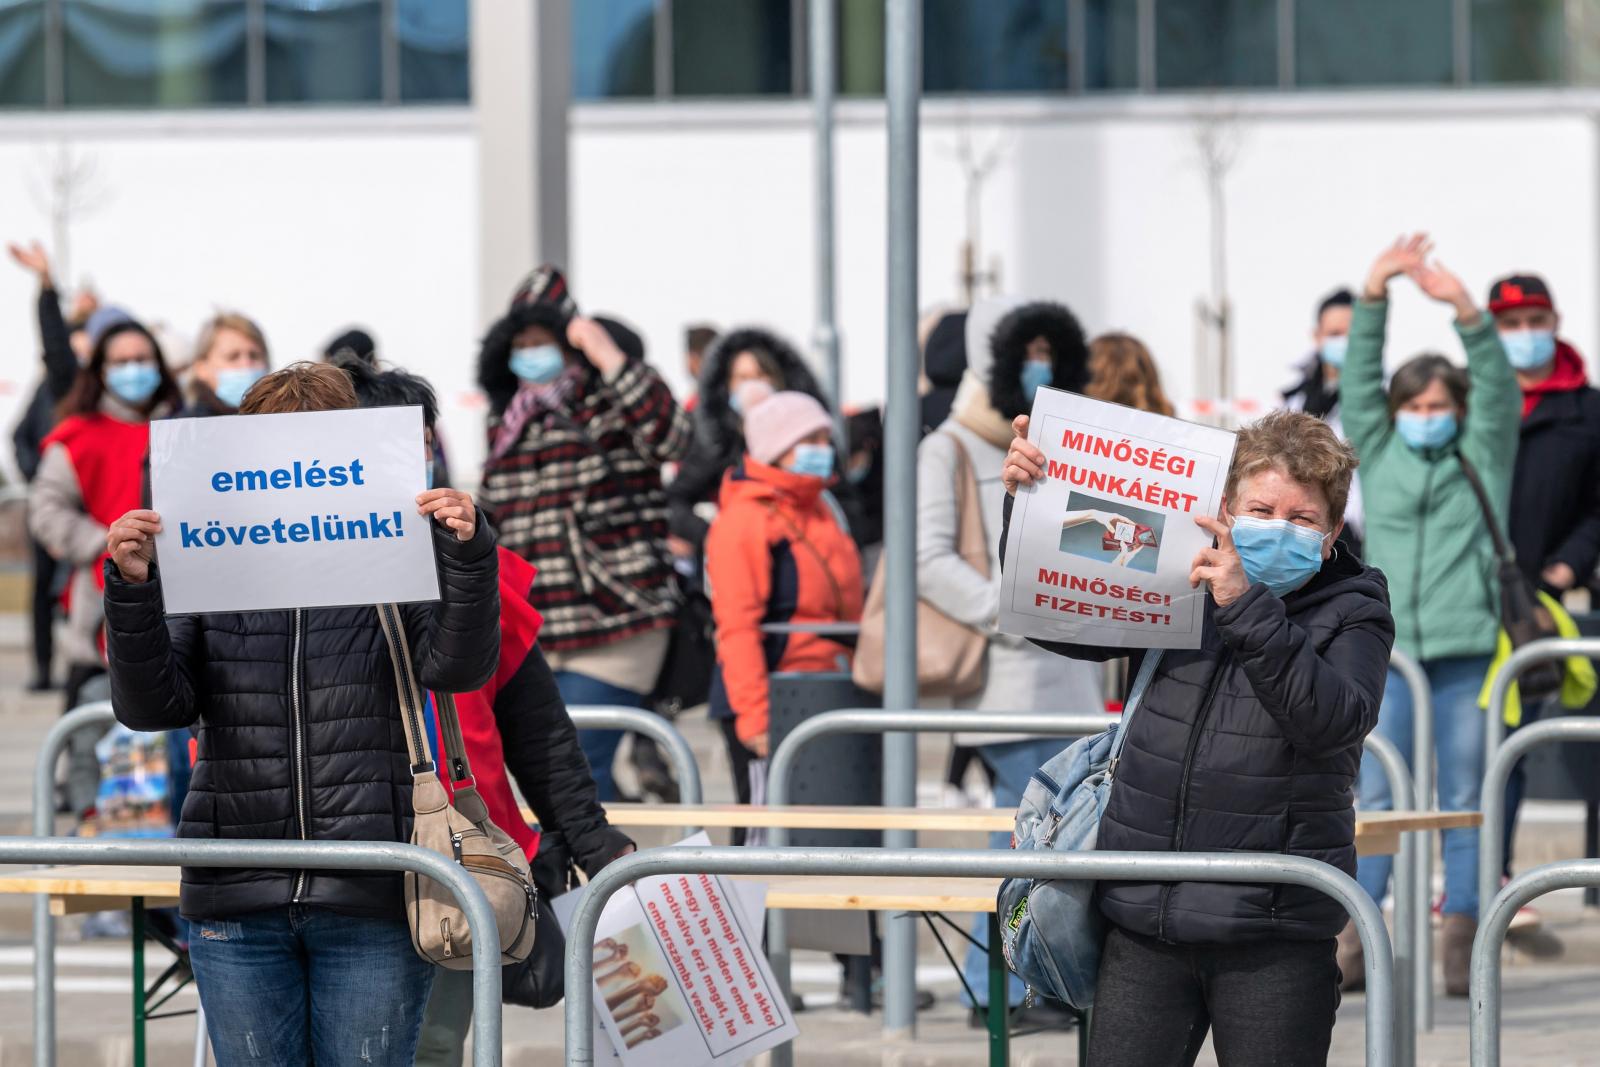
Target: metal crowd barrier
point(1411, 904)
point(1422, 777)
point(310, 855)
point(876, 720)
point(1491, 858)
point(619, 717)
point(1550, 648)
point(1485, 1001)
point(947, 863)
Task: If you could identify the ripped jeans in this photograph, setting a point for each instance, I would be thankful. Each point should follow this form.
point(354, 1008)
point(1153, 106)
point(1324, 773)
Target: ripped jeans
point(297, 985)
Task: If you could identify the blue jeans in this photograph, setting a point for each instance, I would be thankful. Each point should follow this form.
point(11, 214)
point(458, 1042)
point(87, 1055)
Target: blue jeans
point(1012, 764)
point(1458, 733)
point(296, 985)
point(599, 746)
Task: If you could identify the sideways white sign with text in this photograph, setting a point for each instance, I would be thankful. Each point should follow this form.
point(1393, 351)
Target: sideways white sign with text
point(300, 510)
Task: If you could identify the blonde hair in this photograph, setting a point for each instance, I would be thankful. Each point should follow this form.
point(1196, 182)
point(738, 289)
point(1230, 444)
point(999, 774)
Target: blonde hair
point(1122, 371)
point(1302, 447)
point(227, 320)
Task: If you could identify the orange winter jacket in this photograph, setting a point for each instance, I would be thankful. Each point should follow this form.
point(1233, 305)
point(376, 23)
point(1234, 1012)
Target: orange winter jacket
point(775, 553)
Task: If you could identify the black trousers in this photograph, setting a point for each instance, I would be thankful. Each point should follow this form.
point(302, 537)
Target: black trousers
point(740, 758)
point(45, 598)
point(1265, 1002)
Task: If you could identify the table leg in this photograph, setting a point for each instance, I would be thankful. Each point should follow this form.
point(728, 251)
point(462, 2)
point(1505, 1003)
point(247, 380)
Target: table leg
point(138, 982)
point(999, 1009)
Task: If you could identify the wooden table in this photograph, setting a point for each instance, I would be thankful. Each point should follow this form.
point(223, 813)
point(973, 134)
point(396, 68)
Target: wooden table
point(1377, 833)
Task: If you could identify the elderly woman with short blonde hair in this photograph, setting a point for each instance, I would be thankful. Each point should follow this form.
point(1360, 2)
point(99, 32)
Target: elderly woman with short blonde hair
point(1250, 743)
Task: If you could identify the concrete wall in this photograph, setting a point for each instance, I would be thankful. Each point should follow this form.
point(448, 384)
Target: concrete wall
point(313, 220)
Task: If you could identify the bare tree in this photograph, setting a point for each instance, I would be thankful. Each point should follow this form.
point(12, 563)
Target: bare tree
point(1217, 138)
point(68, 186)
point(976, 167)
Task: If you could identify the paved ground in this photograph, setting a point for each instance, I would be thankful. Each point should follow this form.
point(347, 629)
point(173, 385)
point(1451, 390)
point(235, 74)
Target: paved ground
point(1552, 1014)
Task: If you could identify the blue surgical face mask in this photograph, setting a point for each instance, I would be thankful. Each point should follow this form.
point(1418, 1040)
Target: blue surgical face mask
point(538, 364)
point(815, 461)
point(235, 382)
point(1333, 350)
point(134, 383)
point(1528, 349)
point(1426, 431)
point(1277, 553)
point(1034, 375)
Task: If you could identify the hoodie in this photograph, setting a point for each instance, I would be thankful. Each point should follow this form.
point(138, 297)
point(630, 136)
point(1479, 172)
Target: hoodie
point(944, 361)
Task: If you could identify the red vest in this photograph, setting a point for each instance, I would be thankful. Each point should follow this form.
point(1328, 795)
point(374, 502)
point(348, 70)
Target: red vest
point(108, 456)
point(519, 629)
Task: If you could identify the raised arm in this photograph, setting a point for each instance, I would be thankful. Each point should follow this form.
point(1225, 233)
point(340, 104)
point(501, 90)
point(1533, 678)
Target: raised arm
point(660, 429)
point(152, 659)
point(1363, 401)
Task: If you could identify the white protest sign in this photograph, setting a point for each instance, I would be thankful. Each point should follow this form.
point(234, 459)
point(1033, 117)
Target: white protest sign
point(301, 510)
point(1099, 550)
point(680, 978)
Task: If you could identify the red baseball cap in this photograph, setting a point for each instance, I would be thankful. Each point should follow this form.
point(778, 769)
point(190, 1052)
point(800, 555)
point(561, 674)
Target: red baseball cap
point(1519, 291)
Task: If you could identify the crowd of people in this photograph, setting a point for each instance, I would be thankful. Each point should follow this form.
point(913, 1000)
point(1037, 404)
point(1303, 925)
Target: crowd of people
point(620, 535)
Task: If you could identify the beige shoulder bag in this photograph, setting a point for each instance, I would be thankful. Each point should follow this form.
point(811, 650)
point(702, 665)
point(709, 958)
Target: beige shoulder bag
point(460, 830)
point(951, 656)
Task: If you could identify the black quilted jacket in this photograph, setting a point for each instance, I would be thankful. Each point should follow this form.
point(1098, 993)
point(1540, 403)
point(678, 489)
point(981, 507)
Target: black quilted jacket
point(1251, 743)
point(299, 728)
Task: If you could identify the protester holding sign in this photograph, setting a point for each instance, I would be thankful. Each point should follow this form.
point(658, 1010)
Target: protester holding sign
point(1012, 349)
point(1248, 743)
point(1428, 533)
point(88, 475)
point(578, 435)
point(299, 738)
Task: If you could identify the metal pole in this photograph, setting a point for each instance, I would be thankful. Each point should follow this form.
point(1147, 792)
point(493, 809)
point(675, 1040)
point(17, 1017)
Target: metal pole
point(982, 863)
point(1485, 1001)
point(903, 87)
point(308, 855)
point(780, 768)
point(44, 924)
point(1407, 905)
point(824, 46)
point(1422, 767)
point(1491, 860)
point(619, 717)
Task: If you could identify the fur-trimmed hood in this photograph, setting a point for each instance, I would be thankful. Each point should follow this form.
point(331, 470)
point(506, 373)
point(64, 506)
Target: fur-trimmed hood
point(494, 355)
point(996, 354)
point(716, 427)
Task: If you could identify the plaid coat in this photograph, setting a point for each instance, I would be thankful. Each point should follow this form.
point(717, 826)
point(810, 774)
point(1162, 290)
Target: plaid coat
point(579, 496)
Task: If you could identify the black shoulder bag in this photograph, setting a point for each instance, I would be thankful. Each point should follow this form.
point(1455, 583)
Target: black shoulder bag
point(1522, 616)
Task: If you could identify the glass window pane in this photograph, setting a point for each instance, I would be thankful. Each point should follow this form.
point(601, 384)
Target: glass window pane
point(21, 53)
point(1518, 40)
point(1373, 42)
point(861, 45)
point(433, 49)
point(1215, 44)
point(166, 53)
point(994, 46)
point(731, 47)
point(613, 48)
point(324, 51)
point(1111, 51)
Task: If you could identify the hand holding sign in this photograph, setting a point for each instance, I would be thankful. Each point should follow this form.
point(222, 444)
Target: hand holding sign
point(1024, 462)
point(131, 545)
point(451, 508)
point(1220, 566)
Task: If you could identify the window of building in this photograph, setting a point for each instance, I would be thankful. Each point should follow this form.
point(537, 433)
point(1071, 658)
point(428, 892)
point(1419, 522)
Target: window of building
point(433, 38)
point(21, 53)
point(1373, 42)
point(1216, 44)
point(153, 53)
point(978, 46)
point(1111, 44)
point(614, 49)
point(1522, 40)
point(324, 51)
point(732, 47)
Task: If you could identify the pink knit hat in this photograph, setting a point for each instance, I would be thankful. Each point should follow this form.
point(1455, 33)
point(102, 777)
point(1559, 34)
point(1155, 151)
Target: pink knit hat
point(780, 422)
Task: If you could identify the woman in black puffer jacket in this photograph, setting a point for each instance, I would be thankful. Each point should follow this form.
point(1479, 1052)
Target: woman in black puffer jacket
point(1249, 743)
point(300, 738)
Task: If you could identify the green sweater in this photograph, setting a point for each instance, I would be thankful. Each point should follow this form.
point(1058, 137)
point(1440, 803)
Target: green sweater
point(1424, 527)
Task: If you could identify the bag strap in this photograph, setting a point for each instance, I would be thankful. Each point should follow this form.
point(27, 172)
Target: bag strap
point(414, 705)
point(1141, 685)
point(969, 510)
point(1502, 547)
